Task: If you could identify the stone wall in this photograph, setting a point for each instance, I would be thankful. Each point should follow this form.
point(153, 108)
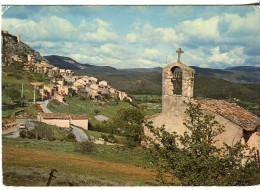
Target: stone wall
point(80, 123)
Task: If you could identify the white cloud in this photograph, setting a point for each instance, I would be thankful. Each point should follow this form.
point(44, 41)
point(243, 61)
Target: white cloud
point(113, 50)
point(200, 29)
point(232, 57)
point(151, 53)
point(241, 26)
point(150, 35)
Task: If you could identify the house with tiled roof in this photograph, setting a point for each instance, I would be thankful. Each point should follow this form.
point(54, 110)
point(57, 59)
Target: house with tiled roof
point(64, 120)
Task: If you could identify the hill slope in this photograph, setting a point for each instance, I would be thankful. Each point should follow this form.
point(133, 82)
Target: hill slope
point(11, 47)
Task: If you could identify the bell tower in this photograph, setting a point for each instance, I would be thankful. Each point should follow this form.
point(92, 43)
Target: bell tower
point(177, 84)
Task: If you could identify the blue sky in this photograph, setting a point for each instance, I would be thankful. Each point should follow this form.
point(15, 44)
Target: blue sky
point(141, 36)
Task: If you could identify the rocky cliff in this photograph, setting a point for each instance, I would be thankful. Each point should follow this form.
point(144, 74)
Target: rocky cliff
point(11, 46)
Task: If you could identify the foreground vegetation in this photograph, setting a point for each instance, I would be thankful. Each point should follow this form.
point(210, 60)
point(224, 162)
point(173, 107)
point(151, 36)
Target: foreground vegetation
point(12, 79)
point(194, 159)
point(28, 162)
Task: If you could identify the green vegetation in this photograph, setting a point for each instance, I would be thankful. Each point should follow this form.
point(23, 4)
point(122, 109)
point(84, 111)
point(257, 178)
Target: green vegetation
point(151, 103)
point(48, 132)
point(194, 160)
point(85, 147)
point(12, 79)
point(128, 122)
point(210, 87)
point(107, 165)
point(97, 135)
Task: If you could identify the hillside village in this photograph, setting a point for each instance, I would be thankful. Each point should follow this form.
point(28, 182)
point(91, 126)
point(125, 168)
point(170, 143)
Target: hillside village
point(65, 82)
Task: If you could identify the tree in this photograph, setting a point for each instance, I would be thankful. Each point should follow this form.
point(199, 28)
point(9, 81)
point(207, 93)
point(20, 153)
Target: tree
point(13, 94)
point(129, 123)
point(193, 158)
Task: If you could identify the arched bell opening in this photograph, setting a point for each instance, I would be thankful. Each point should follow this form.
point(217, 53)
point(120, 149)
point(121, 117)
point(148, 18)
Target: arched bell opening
point(177, 80)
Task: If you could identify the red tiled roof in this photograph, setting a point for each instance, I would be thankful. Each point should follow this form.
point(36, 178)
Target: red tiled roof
point(232, 112)
point(78, 116)
point(63, 116)
point(55, 116)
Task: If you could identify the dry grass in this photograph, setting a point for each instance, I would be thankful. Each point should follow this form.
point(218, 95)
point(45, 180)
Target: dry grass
point(76, 169)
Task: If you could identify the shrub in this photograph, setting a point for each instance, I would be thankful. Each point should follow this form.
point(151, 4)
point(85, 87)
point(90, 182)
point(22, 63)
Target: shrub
point(85, 147)
point(13, 94)
point(96, 111)
point(129, 123)
point(105, 137)
point(193, 157)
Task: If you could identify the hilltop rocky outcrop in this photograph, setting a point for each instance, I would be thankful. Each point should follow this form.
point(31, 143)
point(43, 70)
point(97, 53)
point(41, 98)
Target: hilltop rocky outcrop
point(13, 49)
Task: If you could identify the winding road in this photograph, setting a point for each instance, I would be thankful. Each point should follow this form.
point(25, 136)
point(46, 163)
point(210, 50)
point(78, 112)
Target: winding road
point(43, 105)
point(79, 134)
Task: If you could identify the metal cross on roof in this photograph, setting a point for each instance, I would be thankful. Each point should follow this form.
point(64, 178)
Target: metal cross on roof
point(179, 51)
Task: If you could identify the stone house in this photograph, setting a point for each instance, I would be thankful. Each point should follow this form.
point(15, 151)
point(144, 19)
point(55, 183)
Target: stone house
point(62, 72)
point(64, 120)
point(59, 97)
point(58, 119)
point(177, 88)
point(16, 58)
point(48, 90)
point(93, 93)
point(81, 82)
point(79, 120)
point(121, 95)
point(104, 90)
point(65, 90)
point(55, 71)
point(103, 83)
point(69, 72)
point(93, 80)
point(30, 59)
point(18, 38)
point(94, 86)
point(112, 91)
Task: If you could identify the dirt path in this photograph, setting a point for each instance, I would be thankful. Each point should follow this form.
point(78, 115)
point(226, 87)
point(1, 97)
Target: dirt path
point(122, 174)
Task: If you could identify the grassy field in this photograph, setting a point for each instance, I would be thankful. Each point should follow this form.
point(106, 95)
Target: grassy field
point(27, 162)
point(152, 103)
point(88, 107)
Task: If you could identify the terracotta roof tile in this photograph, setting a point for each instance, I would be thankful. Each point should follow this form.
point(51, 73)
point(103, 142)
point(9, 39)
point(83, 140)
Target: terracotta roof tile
point(78, 116)
point(55, 116)
point(232, 112)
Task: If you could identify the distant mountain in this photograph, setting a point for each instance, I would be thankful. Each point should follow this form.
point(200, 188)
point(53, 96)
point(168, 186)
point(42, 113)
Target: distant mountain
point(68, 63)
point(247, 75)
point(155, 69)
point(249, 69)
point(65, 62)
point(229, 75)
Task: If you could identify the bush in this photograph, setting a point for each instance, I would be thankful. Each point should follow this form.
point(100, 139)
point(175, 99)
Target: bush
point(85, 147)
point(13, 94)
point(129, 123)
point(105, 137)
point(195, 160)
point(109, 138)
point(96, 111)
point(48, 132)
point(70, 137)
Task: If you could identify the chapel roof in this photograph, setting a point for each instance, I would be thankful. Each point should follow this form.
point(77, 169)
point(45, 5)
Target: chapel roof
point(231, 111)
